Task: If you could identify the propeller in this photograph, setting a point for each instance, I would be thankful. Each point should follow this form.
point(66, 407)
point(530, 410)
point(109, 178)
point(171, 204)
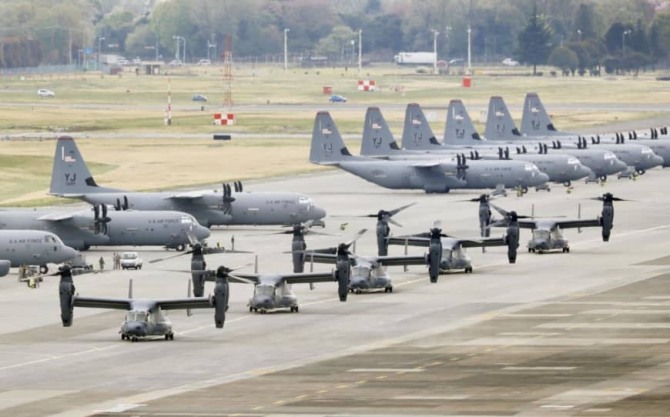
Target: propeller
point(227, 198)
point(461, 167)
point(100, 219)
point(118, 206)
point(198, 250)
point(607, 215)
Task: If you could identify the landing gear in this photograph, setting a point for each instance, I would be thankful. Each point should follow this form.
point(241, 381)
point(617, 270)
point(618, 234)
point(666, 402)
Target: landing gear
point(603, 178)
point(180, 247)
point(294, 309)
point(566, 249)
point(169, 336)
point(433, 280)
point(389, 288)
point(640, 171)
point(468, 269)
point(567, 184)
point(44, 269)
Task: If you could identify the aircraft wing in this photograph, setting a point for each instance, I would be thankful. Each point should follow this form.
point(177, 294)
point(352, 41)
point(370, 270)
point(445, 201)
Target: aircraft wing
point(184, 303)
point(571, 224)
point(401, 260)
point(434, 163)
point(56, 217)
point(322, 258)
point(96, 302)
point(243, 278)
point(308, 277)
point(479, 242)
point(411, 240)
point(186, 195)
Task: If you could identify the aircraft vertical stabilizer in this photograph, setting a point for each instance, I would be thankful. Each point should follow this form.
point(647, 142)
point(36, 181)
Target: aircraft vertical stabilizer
point(499, 123)
point(535, 120)
point(459, 129)
point(377, 136)
point(417, 134)
point(327, 144)
point(70, 175)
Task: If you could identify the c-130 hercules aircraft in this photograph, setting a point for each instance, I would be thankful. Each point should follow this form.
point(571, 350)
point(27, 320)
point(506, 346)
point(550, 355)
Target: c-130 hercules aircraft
point(71, 178)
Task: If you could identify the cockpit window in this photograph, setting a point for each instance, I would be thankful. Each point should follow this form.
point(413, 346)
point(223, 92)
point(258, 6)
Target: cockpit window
point(361, 271)
point(609, 155)
point(136, 316)
point(529, 167)
point(265, 290)
point(541, 234)
point(304, 200)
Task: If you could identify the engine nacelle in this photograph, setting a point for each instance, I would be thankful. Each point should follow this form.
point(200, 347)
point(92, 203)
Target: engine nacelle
point(220, 302)
point(342, 273)
point(198, 277)
point(66, 292)
point(4, 267)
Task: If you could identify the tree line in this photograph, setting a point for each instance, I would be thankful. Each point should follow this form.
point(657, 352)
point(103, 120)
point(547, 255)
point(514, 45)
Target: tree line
point(577, 36)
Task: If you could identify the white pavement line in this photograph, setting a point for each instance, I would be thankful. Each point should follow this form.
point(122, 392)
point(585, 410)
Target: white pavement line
point(67, 355)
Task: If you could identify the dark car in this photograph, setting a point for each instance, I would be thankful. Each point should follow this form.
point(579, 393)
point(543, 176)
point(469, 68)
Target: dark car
point(199, 97)
point(337, 99)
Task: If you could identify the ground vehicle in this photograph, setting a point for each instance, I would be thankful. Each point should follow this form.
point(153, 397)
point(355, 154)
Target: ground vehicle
point(131, 260)
point(79, 262)
point(175, 63)
point(336, 98)
point(510, 62)
point(43, 92)
point(415, 58)
point(204, 62)
point(199, 97)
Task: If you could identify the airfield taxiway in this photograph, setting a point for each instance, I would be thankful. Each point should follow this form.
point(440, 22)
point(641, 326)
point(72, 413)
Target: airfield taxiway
point(579, 334)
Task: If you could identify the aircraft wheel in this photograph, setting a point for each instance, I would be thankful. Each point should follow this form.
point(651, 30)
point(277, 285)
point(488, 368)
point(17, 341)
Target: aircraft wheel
point(171, 336)
point(296, 309)
point(540, 251)
point(603, 178)
point(263, 311)
point(524, 189)
point(44, 269)
point(567, 183)
point(567, 249)
point(358, 291)
point(529, 250)
point(391, 288)
point(123, 336)
point(640, 171)
point(433, 280)
point(167, 336)
point(468, 270)
point(134, 339)
point(180, 247)
point(251, 309)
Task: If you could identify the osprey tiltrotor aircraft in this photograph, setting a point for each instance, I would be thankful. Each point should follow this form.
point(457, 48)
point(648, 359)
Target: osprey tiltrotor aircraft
point(71, 178)
point(31, 247)
point(145, 317)
point(547, 232)
point(446, 253)
point(83, 228)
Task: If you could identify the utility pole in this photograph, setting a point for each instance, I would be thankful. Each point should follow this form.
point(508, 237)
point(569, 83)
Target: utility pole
point(469, 50)
point(286, 30)
point(360, 50)
point(435, 33)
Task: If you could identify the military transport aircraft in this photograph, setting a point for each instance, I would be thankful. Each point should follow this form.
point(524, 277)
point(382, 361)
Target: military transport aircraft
point(145, 316)
point(460, 131)
point(446, 253)
point(500, 126)
point(547, 232)
point(535, 122)
point(71, 178)
point(95, 226)
point(432, 176)
point(378, 140)
point(31, 247)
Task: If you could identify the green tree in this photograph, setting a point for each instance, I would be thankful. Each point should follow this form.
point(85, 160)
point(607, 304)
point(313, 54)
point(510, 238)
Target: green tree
point(565, 59)
point(585, 23)
point(534, 46)
point(337, 44)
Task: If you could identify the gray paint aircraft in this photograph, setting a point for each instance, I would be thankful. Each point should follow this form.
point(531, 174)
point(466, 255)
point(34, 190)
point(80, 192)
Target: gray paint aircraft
point(368, 273)
point(95, 226)
point(458, 130)
point(500, 126)
point(71, 178)
point(31, 247)
point(535, 122)
point(547, 232)
point(378, 139)
point(446, 253)
point(436, 176)
point(145, 316)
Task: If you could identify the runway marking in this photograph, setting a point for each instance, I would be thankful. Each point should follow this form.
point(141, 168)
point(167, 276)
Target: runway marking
point(362, 381)
point(536, 315)
point(50, 358)
point(431, 398)
point(657, 297)
point(604, 326)
point(259, 407)
point(120, 408)
point(623, 312)
point(279, 402)
point(539, 368)
point(557, 407)
point(342, 386)
point(530, 334)
point(322, 391)
point(380, 377)
point(379, 370)
point(597, 410)
point(300, 397)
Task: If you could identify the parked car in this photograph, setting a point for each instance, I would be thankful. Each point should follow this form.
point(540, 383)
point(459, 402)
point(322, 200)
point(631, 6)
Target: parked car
point(175, 63)
point(336, 98)
point(131, 260)
point(204, 62)
point(199, 97)
point(43, 92)
point(509, 62)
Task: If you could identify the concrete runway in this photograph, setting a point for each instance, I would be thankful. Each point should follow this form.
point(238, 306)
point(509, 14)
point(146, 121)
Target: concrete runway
point(579, 334)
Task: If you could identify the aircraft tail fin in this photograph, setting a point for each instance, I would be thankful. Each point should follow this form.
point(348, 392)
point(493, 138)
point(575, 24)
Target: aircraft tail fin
point(535, 120)
point(459, 130)
point(417, 134)
point(70, 175)
point(499, 123)
point(327, 143)
point(377, 136)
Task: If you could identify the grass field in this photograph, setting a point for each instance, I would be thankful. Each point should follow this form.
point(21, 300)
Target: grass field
point(145, 154)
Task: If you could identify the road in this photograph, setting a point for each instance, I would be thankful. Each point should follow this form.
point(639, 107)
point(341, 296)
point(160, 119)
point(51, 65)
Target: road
point(554, 334)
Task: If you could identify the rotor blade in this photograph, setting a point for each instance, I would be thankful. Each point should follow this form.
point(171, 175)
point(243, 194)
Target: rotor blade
point(358, 235)
point(399, 209)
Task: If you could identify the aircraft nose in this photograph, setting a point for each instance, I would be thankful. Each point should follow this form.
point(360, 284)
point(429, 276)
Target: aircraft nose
point(657, 160)
point(135, 329)
point(263, 302)
point(542, 177)
point(619, 165)
point(68, 253)
point(317, 213)
point(201, 232)
point(585, 171)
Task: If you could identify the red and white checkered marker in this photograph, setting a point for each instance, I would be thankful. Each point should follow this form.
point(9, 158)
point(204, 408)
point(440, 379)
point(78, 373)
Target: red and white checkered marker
point(367, 85)
point(226, 119)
